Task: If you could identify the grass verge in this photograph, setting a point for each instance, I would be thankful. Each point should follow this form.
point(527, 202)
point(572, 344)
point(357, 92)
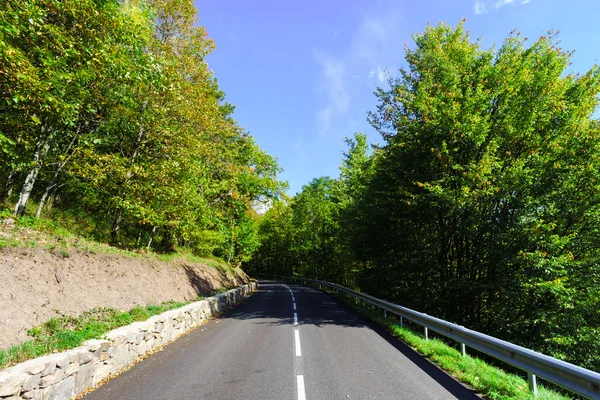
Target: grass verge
point(31, 232)
point(67, 332)
point(489, 381)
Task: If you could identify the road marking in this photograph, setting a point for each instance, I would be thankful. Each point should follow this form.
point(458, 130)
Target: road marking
point(301, 394)
point(300, 378)
point(297, 339)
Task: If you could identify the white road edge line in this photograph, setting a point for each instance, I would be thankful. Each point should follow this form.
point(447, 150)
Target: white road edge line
point(301, 394)
point(295, 319)
point(294, 306)
point(297, 339)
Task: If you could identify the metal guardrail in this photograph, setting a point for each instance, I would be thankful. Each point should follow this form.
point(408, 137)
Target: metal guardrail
point(571, 377)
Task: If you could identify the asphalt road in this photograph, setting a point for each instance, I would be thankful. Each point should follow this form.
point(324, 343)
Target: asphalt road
point(266, 349)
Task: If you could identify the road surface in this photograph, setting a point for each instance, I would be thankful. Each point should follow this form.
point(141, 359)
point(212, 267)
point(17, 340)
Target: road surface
point(285, 342)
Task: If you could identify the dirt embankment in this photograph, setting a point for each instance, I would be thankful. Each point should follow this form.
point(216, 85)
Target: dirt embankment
point(37, 284)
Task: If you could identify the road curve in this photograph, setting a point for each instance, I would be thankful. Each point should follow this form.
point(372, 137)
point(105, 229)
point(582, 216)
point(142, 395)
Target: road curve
point(285, 342)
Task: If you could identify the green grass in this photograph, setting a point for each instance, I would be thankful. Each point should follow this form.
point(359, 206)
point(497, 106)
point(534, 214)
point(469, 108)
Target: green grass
point(67, 332)
point(490, 381)
point(57, 235)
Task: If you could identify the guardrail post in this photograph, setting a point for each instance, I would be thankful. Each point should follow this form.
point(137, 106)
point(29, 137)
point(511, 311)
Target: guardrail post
point(581, 381)
point(385, 314)
point(532, 383)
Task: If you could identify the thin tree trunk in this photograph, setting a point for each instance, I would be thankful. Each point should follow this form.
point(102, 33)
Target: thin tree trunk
point(50, 186)
point(141, 132)
point(151, 237)
point(8, 186)
point(9, 191)
point(38, 157)
point(61, 165)
point(116, 225)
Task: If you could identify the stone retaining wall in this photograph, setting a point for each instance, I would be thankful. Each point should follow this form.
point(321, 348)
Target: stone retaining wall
point(66, 375)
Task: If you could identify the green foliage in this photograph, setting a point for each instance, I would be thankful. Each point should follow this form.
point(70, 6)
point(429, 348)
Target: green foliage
point(493, 382)
point(67, 332)
point(488, 183)
point(109, 112)
point(482, 205)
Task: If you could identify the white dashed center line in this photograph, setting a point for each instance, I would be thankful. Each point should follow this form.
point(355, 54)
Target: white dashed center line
point(297, 340)
point(298, 367)
point(301, 394)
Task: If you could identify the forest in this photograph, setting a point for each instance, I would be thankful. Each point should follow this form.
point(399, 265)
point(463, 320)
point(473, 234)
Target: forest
point(481, 204)
point(111, 120)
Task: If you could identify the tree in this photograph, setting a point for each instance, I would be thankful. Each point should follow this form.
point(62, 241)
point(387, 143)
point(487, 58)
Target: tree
point(54, 75)
point(482, 204)
point(277, 233)
point(485, 199)
point(110, 112)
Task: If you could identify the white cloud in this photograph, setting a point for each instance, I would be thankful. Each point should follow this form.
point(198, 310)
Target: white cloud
point(502, 3)
point(375, 36)
point(334, 88)
point(382, 74)
point(480, 6)
point(374, 42)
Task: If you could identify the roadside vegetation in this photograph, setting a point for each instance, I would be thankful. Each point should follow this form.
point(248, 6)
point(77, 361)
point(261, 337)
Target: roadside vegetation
point(112, 121)
point(58, 235)
point(492, 382)
point(481, 204)
point(67, 332)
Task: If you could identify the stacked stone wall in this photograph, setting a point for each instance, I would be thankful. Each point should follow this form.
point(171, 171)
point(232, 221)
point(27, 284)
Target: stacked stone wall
point(66, 375)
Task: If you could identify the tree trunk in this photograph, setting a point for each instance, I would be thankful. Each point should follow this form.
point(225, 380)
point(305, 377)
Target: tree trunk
point(116, 226)
point(141, 132)
point(50, 186)
point(151, 237)
point(8, 187)
point(38, 157)
point(52, 183)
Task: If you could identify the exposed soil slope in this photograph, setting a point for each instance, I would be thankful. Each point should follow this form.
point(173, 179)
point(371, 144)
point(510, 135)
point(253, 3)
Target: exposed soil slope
point(37, 284)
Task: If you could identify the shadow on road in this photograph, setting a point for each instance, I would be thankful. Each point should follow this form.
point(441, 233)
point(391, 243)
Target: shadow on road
point(272, 304)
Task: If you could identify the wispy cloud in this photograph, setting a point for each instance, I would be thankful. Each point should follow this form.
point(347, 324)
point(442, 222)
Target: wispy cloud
point(333, 86)
point(373, 40)
point(382, 74)
point(480, 6)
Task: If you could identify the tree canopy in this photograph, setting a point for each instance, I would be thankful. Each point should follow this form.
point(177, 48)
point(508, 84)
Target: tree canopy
point(110, 114)
point(481, 205)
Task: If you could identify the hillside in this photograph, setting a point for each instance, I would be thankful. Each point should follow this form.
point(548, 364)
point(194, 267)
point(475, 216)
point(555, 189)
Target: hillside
point(46, 275)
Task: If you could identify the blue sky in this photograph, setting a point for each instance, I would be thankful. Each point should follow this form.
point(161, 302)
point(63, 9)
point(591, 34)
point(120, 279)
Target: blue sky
point(302, 73)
